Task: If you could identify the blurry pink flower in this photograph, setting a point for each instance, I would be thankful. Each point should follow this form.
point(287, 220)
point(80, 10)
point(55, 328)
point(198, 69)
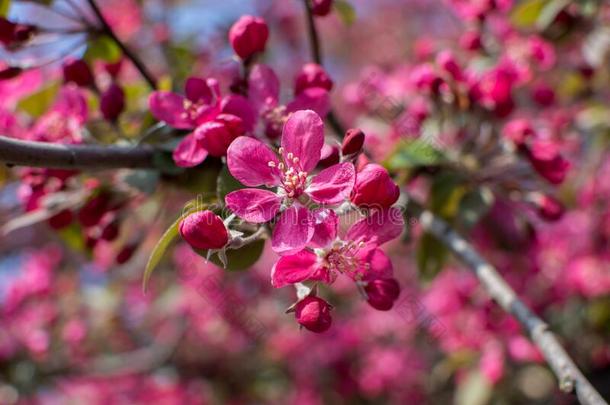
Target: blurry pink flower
point(312, 75)
point(356, 255)
point(63, 123)
point(248, 36)
point(321, 8)
point(254, 164)
point(78, 72)
point(547, 161)
point(264, 96)
point(518, 130)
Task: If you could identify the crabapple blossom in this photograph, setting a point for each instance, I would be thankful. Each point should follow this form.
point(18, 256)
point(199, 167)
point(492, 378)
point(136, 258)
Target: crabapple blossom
point(313, 313)
point(248, 36)
point(204, 230)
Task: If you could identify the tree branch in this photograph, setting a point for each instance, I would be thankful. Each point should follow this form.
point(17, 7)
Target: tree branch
point(61, 156)
point(568, 374)
point(126, 51)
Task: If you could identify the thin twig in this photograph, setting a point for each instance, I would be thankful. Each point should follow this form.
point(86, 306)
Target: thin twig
point(316, 54)
point(126, 51)
point(42, 154)
point(568, 374)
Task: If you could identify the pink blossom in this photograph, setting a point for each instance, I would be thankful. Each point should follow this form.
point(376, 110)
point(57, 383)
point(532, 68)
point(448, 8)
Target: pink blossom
point(254, 164)
point(356, 255)
point(313, 313)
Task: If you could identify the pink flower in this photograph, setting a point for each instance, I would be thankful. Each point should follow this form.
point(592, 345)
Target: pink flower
point(518, 131)
point(63, 123)
point(313, 313)
point(356, 255)
point(217, 122)
point(204, 230)
point(202, 103)
point(264, 95)
point(248, 36)
point(254, 164)
point(374, 188)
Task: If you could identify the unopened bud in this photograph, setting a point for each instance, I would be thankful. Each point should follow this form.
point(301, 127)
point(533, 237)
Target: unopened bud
point(204, 230)
point(352, 142)
point(248, 36)
point(382, 293)
point(313, 313)
point(113, 102)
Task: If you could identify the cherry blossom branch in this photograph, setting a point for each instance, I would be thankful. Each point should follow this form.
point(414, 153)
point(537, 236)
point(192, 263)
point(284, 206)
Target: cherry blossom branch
point(568, 374)
point(316, 54)
point(107, 29)
point(15, 152)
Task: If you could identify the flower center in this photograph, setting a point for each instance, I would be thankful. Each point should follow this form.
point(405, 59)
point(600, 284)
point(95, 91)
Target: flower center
point(192, 110)
point(342, 258)
point(293, 178)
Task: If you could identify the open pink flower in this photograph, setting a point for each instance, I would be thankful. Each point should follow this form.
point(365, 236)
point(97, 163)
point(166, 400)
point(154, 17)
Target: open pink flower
point(264, 94)
point(254, 164)
point(356, 255)
point(217, 122)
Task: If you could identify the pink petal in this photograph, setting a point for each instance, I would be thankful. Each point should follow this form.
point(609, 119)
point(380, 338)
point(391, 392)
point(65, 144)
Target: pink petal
point(325, 231)
point(293, 230)
point(169, 107)
point(314, 98)
point(241, 107)
point(263, 87)
point(379, 264)
point(294, 268)
point(189, 152)
point(248, 160)
point(254, 205)
point(381, 226)
point(303, 136)
point(197, 89)
point(333, 185)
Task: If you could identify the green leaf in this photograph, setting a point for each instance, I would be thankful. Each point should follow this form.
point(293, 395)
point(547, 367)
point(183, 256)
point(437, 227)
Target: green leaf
point(549, 12)
point(226, 184)
point(526, 13)
point(346, 11)
point(104, 48)
point(473, 206)
point(5, 5)
point(445, 194)
point(38, 103)
point(431, 256)
point(159, 250)
point(411, 154)
point(239, 259)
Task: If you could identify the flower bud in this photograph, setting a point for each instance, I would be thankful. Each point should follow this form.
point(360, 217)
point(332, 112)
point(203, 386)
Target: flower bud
point(113, 102)
point(125, 253)
point(77, 71)
point(204, 230)
point(374, 188)
point(248, 36)
point(382, 293)
point(321, 7)
point(312, 75)
point(314, 314)
point(352, 142)
point(547, 161)
point(13, 35)
point(471, 41)
point(447, 62)
point(10, 72)
point(61, 220)
point(549, 208)
point(94, 209)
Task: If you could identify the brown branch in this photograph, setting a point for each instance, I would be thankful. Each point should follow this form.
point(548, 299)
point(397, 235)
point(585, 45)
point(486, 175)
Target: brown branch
point(107, 29)
point(15, 152)
point(568, 374)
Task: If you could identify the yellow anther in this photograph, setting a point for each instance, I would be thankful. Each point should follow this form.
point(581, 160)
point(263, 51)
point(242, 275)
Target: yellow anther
point(271, 164)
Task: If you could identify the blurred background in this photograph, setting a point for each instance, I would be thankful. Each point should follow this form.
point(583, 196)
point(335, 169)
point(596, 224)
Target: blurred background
point(76, 327)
